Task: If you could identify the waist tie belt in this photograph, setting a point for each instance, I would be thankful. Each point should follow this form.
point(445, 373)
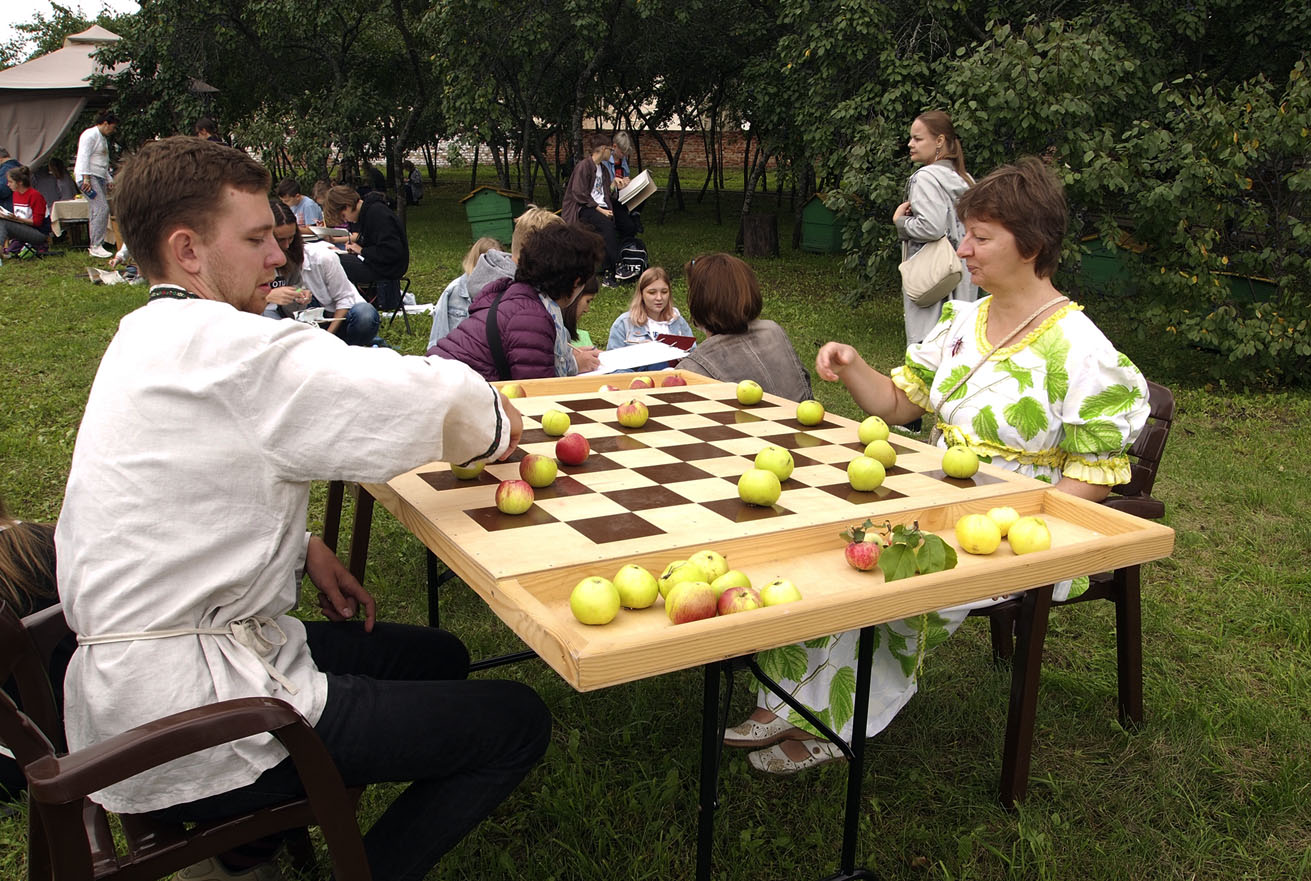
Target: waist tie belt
point(246, 632)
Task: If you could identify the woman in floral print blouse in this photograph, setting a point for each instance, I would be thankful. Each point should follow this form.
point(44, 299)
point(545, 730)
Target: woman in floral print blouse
point(1053, 400)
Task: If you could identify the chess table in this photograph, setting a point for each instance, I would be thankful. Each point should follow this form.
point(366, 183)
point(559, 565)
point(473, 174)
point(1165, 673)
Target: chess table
point(660, 493)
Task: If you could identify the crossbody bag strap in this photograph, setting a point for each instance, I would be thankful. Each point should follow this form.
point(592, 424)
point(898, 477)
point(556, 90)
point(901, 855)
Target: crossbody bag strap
point(494, 339)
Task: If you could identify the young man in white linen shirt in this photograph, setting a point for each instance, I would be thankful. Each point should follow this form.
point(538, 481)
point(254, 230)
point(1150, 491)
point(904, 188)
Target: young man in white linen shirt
point(182, 537)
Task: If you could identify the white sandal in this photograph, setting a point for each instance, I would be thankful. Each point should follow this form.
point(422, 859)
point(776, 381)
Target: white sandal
point(755, 735)
point(775, 761)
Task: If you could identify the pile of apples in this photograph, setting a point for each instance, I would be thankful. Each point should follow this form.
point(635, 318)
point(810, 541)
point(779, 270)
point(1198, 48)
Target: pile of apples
point(867, 471)
point(641, 382)
point(702, 586)
point(981, 534)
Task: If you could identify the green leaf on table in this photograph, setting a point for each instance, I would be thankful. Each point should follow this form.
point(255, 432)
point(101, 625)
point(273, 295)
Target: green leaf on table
point(1026, 416)
point(935, 556)
point(785, 662)
point(898, 562)
point(1109, 401)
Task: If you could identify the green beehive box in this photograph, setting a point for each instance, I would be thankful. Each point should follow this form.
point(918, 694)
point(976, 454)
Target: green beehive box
point(491, 212)
point(820, 231)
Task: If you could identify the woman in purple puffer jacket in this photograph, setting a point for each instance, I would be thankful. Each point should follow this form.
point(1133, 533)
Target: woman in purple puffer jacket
point(524, 312)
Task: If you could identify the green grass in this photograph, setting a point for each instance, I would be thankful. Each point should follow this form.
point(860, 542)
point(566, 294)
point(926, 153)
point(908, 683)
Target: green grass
point(1213, 787)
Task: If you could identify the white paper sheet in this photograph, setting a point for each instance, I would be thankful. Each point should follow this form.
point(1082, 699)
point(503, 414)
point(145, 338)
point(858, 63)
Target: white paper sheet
point(638, 355)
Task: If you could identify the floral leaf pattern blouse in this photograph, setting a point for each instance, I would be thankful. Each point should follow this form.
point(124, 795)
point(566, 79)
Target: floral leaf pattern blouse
point(1059, 402)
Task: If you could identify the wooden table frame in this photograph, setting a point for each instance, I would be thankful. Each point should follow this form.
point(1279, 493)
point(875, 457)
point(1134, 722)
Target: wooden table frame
point(1088, 538)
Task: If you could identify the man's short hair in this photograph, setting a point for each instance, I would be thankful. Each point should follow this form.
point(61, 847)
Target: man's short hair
point(173, 183)
point(105, 116)
point(594, 140)
point(1029, 201)
point(288, 187)
point(206, 124)
point(723, 295)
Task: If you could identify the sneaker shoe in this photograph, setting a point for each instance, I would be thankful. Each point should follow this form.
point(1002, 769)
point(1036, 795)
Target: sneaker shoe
point(99, 251)
point(214, 870)
point(28, 253)
point(608, 281)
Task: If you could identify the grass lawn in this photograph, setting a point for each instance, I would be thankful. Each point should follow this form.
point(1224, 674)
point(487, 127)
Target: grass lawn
point(1213, 787)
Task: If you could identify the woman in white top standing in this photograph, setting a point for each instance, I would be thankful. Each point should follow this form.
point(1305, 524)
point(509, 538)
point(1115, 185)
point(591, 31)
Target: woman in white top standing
point(929, 212)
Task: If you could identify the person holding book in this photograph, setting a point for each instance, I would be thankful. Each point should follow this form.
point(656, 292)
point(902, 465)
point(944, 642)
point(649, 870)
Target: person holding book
point(651, 314)
point(723, 298)
point(27, 224)
point(587, 199)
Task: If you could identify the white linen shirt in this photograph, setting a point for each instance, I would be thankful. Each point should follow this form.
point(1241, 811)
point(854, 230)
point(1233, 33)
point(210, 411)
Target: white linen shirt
point(92, 155)
point(186, 507)
point(322, 274)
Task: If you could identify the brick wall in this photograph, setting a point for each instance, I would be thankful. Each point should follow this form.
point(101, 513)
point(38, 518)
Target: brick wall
point(692, 157)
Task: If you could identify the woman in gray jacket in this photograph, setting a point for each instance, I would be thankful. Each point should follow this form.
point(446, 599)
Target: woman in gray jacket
point(929, 212)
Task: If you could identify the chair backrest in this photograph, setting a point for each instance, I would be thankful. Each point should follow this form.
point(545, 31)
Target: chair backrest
point(35, 731)
point(1145, 454)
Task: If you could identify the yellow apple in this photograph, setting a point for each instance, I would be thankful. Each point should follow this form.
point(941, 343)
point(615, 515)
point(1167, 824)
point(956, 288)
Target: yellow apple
point(872, 429)
point(555, 423)
point(1029, 534)
point(731, 578)
point(865, 474)
point(960, 462)
point(977, 534)
point(637, 587)
point(469, 473)
point(712, 562)
point(749, 392)
point(810, 412)
point(776, 459)
point(1004, 517)
point(594, 600)
point(759, 487)
point(679, 571)
point(883, 451)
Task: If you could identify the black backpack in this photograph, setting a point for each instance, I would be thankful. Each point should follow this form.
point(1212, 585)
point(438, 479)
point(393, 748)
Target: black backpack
point(632, 260)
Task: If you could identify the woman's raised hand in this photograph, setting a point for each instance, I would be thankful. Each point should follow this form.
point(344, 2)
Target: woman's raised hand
point(833, 358)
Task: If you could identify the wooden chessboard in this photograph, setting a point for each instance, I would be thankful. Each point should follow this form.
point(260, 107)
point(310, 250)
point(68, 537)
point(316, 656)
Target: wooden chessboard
point(659, 493)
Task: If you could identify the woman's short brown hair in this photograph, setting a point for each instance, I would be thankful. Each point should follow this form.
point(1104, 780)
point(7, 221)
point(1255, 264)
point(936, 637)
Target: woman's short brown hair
point(1029, 201)
point(177, 182)
point(723, 295)
point(339, 198)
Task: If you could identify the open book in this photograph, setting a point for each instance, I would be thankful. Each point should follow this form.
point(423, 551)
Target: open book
point(638, 190)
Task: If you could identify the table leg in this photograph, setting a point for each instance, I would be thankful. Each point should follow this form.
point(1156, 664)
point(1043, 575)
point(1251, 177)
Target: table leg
point(363, 526)
point(712, 735)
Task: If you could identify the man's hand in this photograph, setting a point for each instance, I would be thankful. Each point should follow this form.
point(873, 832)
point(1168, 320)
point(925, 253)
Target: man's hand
point(353, 248)
point(85, 187)
point(587, 358)
point(516, 425)
point(340, 595)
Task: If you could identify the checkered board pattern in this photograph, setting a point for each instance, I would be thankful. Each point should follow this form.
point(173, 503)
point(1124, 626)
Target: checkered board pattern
point(673, 482)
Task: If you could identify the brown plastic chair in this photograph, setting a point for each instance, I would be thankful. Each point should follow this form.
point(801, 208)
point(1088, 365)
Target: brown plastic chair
point(69, 836)
point(1019, 625)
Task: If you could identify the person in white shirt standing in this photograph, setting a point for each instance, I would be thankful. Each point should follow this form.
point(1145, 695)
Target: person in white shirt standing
point(181, 542)
point(92, 174)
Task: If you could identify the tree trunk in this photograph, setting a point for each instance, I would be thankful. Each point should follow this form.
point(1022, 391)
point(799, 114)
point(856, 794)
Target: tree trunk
point(473, 181)
point(761, 161)
point(760, 235)
point(807, 190)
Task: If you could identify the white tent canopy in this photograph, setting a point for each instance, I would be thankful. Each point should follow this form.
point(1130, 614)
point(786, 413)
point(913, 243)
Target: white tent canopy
point(40, 99)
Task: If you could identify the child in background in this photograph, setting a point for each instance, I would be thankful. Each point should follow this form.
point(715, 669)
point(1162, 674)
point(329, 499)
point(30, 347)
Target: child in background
point(651, 313)
point(453, 305)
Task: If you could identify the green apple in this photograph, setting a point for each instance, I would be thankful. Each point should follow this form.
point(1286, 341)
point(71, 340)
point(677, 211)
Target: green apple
point(865, 474)
point(779, 591)
point(637, 587)
point(1004, 517)
point(555, 423)
point(749, 392)
point(810, 412)
point(594, 600)
point(872, 429)
point(1029, 534)
point(978, 534)
point(513, 390)
point(469, 473)
point(960, 461)
point(883, 452)
point(731, 578)
point(679, 571)
point(776, 459)
point(759, 487)
point(712, 562)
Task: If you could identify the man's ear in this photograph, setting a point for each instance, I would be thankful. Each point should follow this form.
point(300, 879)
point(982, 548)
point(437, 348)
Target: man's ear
point(181, 248)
